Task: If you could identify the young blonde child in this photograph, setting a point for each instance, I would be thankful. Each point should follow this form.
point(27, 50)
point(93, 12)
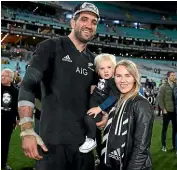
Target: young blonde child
point(104, 95)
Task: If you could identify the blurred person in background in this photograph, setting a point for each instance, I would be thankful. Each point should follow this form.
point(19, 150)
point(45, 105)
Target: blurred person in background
point(17, 67)
point(159, 111)
point(141, 91)
point(175, 96)
point(9, 113)
point(167, 105)
point(17, 79)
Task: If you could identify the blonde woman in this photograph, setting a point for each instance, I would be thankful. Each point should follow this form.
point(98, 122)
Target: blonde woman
point(128, 132)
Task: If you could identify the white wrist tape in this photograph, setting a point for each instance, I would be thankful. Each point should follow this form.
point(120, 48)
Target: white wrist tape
point(31, 132)
point(25, 120)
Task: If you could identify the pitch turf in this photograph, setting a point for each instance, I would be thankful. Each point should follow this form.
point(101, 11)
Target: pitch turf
point(161, 160)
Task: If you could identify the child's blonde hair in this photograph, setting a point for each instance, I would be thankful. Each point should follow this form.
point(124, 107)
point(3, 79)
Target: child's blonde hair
point(104, 56)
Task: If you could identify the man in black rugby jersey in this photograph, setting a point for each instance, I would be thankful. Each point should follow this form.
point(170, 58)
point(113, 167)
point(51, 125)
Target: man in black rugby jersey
point(65, 68)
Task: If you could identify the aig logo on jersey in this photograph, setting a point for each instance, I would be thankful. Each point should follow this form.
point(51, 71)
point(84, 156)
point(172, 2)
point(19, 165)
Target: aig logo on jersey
point(82, 71)
point(67, 59)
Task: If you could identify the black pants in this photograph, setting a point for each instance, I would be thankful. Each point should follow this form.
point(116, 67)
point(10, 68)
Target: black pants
point(93, 132)
point(99, 141)
point(166, 119)
point(65, 157)
point(90, 123)
point(6, 131)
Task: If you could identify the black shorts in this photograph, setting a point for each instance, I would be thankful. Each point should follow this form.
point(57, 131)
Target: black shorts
point(65, 157)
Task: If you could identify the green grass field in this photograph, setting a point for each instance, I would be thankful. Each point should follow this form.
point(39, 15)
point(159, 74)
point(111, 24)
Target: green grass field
point(161, 160)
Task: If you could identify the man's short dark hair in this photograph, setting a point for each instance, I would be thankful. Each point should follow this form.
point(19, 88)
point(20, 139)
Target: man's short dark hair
point(169, 72)
point(76, 17)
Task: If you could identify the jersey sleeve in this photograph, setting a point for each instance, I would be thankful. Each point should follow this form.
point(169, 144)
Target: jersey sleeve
point(107, 103)
point(34, 73)
point(44, 51)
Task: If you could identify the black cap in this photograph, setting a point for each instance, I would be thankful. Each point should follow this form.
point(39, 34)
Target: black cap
point(86, 6)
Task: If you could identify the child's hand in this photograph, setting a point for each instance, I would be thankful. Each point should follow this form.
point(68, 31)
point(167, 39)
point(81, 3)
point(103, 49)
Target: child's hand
point(94, 111)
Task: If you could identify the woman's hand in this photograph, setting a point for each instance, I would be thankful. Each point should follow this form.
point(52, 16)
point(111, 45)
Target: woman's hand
point(103, 121)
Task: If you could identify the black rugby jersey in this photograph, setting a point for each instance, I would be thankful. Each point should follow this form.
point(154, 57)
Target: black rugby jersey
point(67, 76)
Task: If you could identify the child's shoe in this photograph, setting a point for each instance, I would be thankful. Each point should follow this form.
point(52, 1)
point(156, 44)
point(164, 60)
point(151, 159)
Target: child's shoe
point(88, 145)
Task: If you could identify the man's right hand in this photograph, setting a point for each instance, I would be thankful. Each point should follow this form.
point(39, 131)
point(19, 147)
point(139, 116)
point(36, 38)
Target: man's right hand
point(29, 146)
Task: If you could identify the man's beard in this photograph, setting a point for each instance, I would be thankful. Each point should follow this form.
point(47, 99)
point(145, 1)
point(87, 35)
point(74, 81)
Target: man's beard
point(6, 101)
point(81, 39)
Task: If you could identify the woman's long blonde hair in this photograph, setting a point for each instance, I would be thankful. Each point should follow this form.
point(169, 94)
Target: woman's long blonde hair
point(133, 70)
